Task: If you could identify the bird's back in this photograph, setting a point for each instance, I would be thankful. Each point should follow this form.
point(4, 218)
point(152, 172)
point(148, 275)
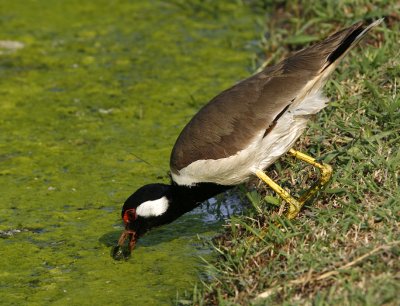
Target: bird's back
point(232, 120)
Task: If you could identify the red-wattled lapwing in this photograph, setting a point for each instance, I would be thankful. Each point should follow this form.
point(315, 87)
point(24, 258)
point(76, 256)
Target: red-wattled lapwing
point(240, 133)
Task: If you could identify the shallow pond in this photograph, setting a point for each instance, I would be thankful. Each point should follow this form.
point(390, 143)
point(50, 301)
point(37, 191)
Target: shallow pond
point(92, 97)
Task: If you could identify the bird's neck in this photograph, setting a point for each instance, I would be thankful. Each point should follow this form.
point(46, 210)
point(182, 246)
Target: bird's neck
point(182, 199)
point(186, 198)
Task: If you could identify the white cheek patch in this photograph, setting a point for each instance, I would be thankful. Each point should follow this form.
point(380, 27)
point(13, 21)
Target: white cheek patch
point(153, 208)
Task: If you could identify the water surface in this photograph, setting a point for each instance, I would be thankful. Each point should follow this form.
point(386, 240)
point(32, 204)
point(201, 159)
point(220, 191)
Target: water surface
point(92, 98)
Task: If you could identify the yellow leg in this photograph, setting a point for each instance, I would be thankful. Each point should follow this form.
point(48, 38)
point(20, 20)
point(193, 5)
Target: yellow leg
point(326, 174)
point(296, 205)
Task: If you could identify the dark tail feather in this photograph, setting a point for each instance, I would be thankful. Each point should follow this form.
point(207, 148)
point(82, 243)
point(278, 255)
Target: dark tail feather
point(344, 45)
point(350, 41)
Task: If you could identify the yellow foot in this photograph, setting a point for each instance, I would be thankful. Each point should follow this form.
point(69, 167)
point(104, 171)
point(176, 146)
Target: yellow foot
point(326, 174)
point(296, 205)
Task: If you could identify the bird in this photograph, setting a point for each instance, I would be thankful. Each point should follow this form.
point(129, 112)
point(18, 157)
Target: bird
point(239, 134)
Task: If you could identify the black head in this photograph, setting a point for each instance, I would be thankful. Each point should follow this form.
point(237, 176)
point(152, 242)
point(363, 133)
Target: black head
point(140, 212)
point(157, 204)
point(144, 206)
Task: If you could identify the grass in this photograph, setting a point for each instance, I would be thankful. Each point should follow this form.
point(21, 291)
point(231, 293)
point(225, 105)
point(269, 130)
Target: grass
point(344, 247)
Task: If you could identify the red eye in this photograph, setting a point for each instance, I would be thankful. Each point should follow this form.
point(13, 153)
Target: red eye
point(129, 215)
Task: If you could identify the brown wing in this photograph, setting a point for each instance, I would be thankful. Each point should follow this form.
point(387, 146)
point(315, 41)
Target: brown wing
point(228, 122)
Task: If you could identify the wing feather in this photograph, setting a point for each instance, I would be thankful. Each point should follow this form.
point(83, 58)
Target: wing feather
point(230, 121)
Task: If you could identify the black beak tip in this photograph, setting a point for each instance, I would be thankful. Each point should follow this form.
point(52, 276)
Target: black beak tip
point(120, 253)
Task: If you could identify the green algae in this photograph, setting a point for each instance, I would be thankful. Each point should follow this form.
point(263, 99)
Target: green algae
point(89, 110)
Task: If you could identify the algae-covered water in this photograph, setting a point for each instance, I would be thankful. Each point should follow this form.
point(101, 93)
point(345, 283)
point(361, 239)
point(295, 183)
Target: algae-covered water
point(92, 97)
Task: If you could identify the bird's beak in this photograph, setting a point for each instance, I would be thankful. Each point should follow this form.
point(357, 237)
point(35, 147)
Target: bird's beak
point(118, 252)
point(128, 218)
point(132, 239)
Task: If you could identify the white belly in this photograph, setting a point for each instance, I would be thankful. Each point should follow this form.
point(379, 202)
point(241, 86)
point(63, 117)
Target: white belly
point(260, 154)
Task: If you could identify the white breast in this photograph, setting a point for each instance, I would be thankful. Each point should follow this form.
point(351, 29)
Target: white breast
point(261, 153)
